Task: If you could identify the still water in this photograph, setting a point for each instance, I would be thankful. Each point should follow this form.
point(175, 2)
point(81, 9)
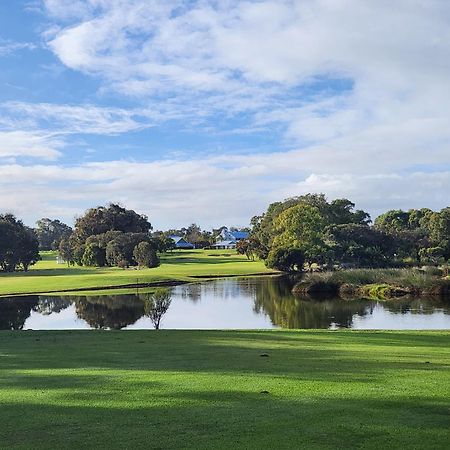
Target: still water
point(253, 303)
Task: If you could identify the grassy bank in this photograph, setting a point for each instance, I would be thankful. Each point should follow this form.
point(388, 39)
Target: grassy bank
point(375, 283)
point(212, 389)
point(177, 266)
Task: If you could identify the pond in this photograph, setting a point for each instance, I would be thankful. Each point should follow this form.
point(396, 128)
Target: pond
point(251, 303)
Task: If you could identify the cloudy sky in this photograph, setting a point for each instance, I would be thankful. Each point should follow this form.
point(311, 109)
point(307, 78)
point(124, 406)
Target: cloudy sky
point(209, 110)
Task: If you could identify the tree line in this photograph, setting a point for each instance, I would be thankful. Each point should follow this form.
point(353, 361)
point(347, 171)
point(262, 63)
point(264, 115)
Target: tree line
point(103, 236)
point(309, 230)
point(297, 232)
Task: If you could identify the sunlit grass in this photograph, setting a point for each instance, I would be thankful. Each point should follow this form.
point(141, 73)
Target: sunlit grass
point(48, 276)
point(213, 389)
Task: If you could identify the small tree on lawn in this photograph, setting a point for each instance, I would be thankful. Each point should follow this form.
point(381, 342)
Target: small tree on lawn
point(157, 305)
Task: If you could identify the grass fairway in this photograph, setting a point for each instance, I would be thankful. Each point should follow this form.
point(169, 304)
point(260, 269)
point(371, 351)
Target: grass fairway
point(212, 389)
point(48, 276)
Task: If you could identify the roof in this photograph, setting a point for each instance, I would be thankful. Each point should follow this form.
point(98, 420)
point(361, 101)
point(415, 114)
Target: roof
point(239, 234)
point(180, 242)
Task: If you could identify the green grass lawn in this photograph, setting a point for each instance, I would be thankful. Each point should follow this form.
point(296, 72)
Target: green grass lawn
point(47, 275)
point(213, 389)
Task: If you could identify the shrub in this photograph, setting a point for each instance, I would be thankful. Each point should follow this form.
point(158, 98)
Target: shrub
point(145, 255)
point(286, 259)
point(93, 256)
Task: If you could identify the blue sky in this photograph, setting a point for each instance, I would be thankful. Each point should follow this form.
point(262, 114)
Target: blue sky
point(205, 111)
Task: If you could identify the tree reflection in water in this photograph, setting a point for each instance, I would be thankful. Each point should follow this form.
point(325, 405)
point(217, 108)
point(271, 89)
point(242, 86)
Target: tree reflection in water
point(274, 298)
point(50, 305)
point(14, 311)
point(270, 296)
point(423, 305)
point(109, 311)
point(192, 292)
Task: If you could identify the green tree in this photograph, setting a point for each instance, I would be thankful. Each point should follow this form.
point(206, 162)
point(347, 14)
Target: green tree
point(50, 233)
point(360, 245)
point(110, 218)
point(121, 248)
point(432, 255)
point(94, 256)
point(19, 246)
point(65, 251)
point(114, 254)
point(440, 231)
point(27, 248)
point(393, 221)
point(286, 259)
point(339, 211)
point(404, 230)
point(162, 243)
point(301, 227)
point(145, 255)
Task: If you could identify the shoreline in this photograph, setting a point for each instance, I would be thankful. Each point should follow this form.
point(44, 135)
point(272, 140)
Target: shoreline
point(167, 283)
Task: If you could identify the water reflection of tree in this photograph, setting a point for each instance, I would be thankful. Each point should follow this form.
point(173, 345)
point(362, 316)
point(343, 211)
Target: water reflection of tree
point(49, 305)
point(192, 292)
point(109, 311)
point(14, 311)
point(274, 298)
point(421, 305)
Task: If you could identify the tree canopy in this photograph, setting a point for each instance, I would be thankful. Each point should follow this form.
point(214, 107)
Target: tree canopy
point(113, 217)
point(19, 246)
point(50, 233)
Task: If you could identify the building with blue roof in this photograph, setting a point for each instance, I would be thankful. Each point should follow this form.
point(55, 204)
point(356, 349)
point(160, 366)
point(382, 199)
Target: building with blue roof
point(228, 239)
point(180, 242)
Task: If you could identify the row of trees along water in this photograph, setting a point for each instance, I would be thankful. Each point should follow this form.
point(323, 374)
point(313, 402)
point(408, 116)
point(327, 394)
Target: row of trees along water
point(297, 231)
point(311, 230)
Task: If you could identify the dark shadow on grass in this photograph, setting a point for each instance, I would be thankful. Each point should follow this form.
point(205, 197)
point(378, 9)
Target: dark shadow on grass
point(225, 419)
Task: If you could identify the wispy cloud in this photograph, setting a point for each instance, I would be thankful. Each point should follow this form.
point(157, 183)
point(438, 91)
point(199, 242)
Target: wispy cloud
point(35, 145)
point(86, 119)
point(8, 47)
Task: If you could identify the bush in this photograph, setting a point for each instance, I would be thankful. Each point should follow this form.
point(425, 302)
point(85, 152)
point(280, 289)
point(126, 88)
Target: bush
point(145, 255)
point(380, 282)
point(286, 259)
point(93, 256)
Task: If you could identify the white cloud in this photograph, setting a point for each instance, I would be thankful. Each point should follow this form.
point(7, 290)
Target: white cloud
point(35, 145)
point(259, 56)
point(177, 192)
point(383, 140)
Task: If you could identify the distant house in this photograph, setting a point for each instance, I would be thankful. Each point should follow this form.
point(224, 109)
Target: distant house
point(180, 242)
point(228, 239)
